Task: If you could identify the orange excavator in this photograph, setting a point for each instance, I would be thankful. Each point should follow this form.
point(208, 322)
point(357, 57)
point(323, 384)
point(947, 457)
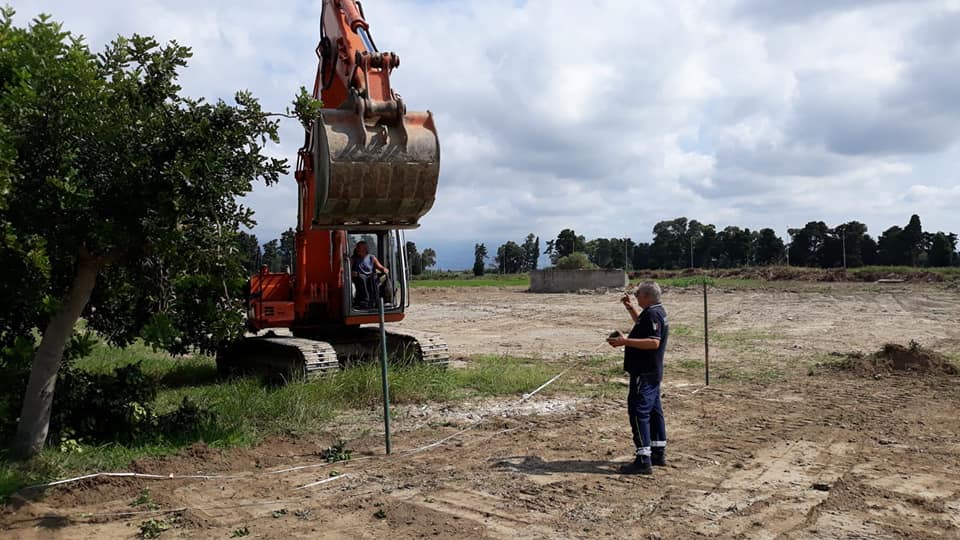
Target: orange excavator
point(368, 170)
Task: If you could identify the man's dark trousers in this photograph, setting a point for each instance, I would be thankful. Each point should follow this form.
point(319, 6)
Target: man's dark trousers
point(646, 414)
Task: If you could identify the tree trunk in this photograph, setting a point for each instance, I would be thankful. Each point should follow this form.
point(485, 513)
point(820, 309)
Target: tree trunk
point(37, 402)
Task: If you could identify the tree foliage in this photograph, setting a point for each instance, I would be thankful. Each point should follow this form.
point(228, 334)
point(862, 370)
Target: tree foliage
point(682, 243)
point(428, 257)
point(575, 261)
point(287, 250)
point(271, 256)
point(510, 258)
point(119, 194)
point(479, 259)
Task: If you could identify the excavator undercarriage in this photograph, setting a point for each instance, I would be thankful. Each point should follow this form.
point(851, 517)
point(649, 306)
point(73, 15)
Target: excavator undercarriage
point(292, 358)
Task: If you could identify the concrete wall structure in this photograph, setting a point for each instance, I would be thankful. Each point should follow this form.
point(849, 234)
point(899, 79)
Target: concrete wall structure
point(554, 280)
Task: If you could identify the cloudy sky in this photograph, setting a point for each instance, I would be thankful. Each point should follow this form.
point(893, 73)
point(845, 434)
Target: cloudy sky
point(610, 115)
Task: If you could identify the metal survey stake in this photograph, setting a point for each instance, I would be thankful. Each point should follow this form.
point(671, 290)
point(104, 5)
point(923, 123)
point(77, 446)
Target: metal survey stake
point(383, 378)
point(706, 337)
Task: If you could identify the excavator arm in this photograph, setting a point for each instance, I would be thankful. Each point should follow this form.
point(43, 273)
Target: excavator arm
point(367, 162)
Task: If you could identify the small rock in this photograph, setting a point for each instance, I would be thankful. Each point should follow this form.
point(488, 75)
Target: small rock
point(821, 487)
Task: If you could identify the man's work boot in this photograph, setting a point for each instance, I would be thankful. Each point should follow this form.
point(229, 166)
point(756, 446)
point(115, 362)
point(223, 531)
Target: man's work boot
point(659, 459)
point(640, 465)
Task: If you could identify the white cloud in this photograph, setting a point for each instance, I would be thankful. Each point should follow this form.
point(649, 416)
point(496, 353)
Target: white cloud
point(611, 117)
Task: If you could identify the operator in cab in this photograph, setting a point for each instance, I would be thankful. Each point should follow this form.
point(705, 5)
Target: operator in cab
point(363, 269)
point(643, 361)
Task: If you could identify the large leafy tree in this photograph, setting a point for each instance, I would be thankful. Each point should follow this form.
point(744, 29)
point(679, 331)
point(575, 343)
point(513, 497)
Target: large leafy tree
point(769, 247)
point(671, 244)
point(942, 249)
point(566, 243)
point(892, 248)
point(510, 258)
point(119, 194)
point(807, 244)
point(428, 258)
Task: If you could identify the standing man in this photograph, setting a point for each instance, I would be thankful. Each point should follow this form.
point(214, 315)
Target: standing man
point(643, 361)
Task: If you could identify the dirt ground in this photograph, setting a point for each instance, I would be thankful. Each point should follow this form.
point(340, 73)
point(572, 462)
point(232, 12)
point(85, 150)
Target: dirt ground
point(778, 446)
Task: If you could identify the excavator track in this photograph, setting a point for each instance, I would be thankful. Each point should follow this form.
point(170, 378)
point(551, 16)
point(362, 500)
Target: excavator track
point(404, 346)
point(296, 358)
point(430, 348)
point(287, 357)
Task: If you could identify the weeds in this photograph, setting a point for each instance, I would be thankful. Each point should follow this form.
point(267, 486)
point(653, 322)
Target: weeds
point(152, 528)
point(145, 501)
point(337, 452)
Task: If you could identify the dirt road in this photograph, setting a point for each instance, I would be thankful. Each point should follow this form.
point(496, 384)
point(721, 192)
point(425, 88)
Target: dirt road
point(777, 447)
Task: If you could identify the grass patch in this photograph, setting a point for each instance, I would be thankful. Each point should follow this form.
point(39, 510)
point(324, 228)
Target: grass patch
point(246, 411)
point(169, 371)
point(501, 375)
point(683, 331)
point(689, 364)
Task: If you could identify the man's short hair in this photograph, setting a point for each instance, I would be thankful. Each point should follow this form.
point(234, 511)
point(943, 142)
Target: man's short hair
point(650, 289)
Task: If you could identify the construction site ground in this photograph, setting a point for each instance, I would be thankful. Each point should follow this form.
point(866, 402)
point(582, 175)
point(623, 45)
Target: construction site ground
point(782, 444)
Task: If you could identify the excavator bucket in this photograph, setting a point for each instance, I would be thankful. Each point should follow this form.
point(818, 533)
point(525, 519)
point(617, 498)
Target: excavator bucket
point(377, 175)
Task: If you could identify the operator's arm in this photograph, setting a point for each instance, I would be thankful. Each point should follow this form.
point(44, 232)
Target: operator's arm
point(379, 266)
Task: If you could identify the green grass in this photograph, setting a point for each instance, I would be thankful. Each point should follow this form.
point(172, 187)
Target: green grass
point(690, 364)
point(168, 371)
point(247, 411)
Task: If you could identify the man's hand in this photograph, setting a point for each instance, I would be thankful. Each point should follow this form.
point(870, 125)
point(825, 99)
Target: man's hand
point(625, 300)
point(617, 339)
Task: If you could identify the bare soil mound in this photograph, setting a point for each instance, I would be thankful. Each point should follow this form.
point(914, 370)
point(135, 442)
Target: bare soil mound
point(895, 358)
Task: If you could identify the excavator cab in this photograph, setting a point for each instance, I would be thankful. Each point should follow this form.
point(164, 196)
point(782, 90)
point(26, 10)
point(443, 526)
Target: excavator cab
point(362, 296)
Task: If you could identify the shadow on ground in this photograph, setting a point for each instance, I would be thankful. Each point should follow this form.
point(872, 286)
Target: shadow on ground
point(537, 465)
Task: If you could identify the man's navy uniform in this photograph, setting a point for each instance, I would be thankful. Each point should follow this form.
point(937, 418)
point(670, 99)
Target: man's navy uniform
point(646, 371)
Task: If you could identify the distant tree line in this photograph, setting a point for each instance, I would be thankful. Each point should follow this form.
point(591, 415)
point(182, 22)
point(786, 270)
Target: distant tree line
point(511, 257)
point(683, 243)
point(278, 255)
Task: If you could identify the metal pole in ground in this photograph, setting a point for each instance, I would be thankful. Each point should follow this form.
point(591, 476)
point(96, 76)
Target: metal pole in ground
point(706, 336)
point(383, 378)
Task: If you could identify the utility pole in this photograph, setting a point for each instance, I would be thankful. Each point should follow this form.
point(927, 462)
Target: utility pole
point(691, 251)
point(626, 260)
point(843, 242)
